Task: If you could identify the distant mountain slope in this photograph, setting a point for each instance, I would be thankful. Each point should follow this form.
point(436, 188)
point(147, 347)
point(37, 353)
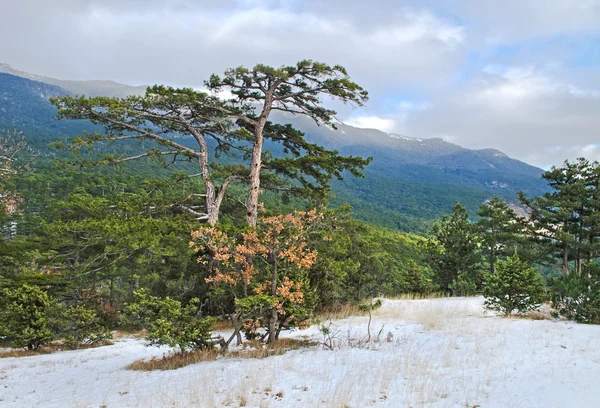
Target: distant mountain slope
point(411, 180)
point(426, 160)
point(24, 106)
point(409, 183)
point(89, 88)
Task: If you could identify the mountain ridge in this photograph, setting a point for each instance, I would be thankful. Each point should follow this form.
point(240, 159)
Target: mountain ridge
point(410, 182)
point(81, 87)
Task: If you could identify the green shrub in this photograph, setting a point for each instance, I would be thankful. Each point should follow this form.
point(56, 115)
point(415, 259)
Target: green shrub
point(463, 287)
point(514, 286)
point(170, 323)
point(415, 278)
point(27, 317)
point(82, 326)
point(255, 311)
point(578, 297)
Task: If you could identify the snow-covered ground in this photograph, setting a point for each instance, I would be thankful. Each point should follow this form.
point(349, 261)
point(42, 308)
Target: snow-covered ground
point(432, 353)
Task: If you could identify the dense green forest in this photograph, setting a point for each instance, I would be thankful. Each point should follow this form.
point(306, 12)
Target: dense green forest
point(175, 214)
point(408, 184)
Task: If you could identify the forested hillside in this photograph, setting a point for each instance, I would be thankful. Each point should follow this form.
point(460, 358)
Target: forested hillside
point(409, 183)
point(98, 241)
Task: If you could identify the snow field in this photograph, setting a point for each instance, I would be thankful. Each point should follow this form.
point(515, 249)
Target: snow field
point(431, 353)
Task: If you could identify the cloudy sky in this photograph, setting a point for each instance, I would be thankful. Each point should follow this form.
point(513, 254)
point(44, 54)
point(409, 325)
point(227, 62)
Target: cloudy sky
point(522, 76)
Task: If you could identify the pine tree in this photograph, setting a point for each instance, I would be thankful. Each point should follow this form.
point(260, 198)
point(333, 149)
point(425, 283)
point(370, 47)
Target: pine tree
point(174, 125)
point(567, 220)
point(499, 230)
point(294, 89)
point(453, 253)
point(26, 317)
point(169, 323)
point(515, 286)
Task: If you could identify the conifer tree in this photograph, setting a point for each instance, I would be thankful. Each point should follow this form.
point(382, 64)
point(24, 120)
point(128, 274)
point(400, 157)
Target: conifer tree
point(499, 230)
point(515, 286)
point(12, 144)
point(294, 89)
point(567, 219)
point(27, 315)
point(453, 252)
point(184, 125)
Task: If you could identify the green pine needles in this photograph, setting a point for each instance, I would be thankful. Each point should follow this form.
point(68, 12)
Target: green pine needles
point(26, 317)
point(30, 318)
point(169, 323)
point(515, 286)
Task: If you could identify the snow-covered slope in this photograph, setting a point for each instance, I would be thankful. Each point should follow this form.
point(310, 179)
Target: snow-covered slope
point(431, 353)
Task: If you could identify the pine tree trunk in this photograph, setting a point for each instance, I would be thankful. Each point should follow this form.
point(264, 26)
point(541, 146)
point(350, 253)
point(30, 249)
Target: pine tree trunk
point(254, 188)
point(256, 163)
point(212, 210)
point(273, 326)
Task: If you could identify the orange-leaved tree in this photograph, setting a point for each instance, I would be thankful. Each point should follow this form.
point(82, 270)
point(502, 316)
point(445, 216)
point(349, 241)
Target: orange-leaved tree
point(266, 268)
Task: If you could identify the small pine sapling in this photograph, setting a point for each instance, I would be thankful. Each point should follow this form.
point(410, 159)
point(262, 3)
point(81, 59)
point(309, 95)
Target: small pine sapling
point(26, 317)
point(514, 286)
point(82, 326)
point(169, 323)
point(329, 335)
point(370, 308)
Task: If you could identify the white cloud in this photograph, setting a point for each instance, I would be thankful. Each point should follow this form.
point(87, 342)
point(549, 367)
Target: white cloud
point(372, 122)
point(510, 84)
point(183, 44)
point(520, 110)
point(420, 25)
point(479, 73)
point(505, 21)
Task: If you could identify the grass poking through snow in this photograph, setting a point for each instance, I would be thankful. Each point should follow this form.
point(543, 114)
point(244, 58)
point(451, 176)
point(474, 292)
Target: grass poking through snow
point(26, 353)
point(249, 350)
point(8, 353)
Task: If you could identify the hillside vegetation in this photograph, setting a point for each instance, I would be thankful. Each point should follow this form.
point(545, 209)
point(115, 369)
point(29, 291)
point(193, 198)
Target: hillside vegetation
point(409, 183)
point(238, 230)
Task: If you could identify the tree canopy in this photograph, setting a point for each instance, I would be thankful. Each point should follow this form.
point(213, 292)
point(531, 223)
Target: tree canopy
point(294, 89)
point(185, 125)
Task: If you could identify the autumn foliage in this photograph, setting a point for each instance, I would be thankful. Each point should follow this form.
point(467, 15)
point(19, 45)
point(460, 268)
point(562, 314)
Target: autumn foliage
point(266, 268)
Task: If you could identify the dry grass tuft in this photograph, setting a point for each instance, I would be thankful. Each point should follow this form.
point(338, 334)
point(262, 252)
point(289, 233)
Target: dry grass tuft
point(418, 296)
point(87, 346)
point(174, 361)
point(255, 349)
point(250, 349)
point(26, 353)
point(222, 325)
point(534, 315)
point(340, 311)
point(49, 349)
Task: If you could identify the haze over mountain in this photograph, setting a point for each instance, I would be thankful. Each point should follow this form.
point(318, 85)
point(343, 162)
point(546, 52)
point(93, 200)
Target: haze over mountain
point(409, 180)
point(89, 88)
